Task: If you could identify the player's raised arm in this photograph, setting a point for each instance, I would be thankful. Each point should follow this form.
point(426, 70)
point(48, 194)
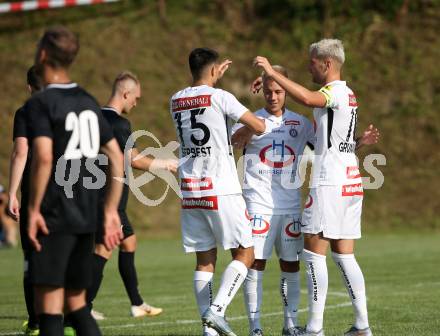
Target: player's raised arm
point(16, 168)
point(298, 92)
point(254, 124)
point(112, 222)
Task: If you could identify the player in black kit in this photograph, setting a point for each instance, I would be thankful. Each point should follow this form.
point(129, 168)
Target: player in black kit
point(19, 171)
point(125, 93)
point(66, 132)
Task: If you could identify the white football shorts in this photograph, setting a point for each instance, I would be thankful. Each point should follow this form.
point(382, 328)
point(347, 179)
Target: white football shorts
point(334, 210)
point(215, 220)
point(280, 231)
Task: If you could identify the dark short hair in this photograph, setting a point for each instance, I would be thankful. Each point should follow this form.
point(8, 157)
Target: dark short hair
point(33, 79)
point(61, 46)
point(199, 59)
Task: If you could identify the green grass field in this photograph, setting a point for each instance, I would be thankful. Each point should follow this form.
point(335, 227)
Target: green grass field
point(402, 274)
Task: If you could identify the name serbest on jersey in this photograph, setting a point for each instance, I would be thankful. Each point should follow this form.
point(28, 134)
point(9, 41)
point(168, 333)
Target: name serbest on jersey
point(335, 160)
point(203, 117)
point(271, 162)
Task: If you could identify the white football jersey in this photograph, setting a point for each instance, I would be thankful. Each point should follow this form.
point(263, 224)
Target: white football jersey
point(203, 117)
point(271, 184)
point(335, 161)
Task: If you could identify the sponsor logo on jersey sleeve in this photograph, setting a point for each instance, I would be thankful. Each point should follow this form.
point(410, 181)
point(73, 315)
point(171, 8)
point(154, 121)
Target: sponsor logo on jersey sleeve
point(353, 172)
point(352, 100)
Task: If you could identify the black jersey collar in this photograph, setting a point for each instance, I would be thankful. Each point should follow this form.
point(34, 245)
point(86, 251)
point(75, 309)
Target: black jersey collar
point(109, 108)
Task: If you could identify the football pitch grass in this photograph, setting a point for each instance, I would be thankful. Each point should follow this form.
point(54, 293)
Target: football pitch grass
point(402, 274)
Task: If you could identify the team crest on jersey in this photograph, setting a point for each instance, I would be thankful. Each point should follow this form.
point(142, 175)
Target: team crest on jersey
point(277, 155)
point(293, 133)
point(293, 229)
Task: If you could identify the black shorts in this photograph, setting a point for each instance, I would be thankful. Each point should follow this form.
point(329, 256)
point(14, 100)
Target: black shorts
point(65, 260)
point(25, 244)
point(127, 229)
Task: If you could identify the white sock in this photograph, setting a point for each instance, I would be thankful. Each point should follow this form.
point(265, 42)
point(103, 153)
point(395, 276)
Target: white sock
point(290, 293)
point(253, 297)
point(203, 292)
point(354, 282)
point(232, 278)
point(317, 283)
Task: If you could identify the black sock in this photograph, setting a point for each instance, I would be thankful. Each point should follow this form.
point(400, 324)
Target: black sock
point(98, 274)
point(29, 299)
point(83, 322)
point(67, 322)
point(129, 277)
point(51, 325)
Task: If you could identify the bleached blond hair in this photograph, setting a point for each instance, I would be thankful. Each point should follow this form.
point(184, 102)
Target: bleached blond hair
point(125, 80)
point(328, 48)
point(278, 68)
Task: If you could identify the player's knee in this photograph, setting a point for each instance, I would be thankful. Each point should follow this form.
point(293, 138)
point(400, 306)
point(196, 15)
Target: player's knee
point(245, 255)
point(259, 265)
point(342, 246)
point(102, 251)
point(206, 260)
point(129, 244)
point(289, 266)
point(75, 299)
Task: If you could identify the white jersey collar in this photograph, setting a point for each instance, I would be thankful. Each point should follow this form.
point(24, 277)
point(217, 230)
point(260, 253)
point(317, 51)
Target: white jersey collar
point(62, 86)
point(336, 82)
point(271, 117)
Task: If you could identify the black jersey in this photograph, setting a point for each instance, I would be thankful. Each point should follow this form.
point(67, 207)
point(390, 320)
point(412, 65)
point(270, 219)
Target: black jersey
point(73, 120)
point(21, 130)
point(121, 130)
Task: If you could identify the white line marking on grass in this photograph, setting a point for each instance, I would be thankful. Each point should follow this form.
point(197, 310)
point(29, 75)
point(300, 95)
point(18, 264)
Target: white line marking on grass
point(429, 283)
point(183, 322)
point(234, 318)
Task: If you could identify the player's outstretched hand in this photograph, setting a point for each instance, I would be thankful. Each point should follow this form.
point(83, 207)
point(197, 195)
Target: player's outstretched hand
point(263, 63)
point(36, 224)
point(13, 209)
point(371, 136)
point(223, 67)
point(164, 164)
point(241, 137)
point(112, 229)
point(257, 84)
